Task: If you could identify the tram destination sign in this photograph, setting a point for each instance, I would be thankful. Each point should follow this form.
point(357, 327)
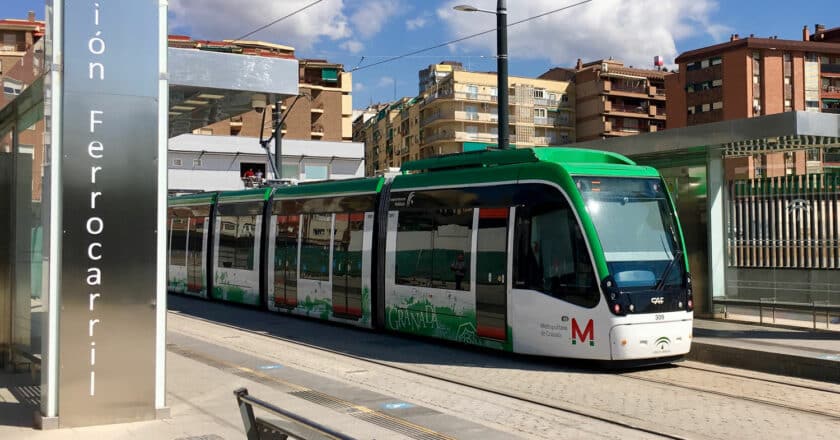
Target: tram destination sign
point(109, 135)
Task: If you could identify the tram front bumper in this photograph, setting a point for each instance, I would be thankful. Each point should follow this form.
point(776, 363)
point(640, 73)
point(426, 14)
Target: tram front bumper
point(650, 340)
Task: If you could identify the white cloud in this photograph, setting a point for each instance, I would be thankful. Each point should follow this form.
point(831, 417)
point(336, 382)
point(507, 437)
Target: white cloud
point(224, 19)
point(352, 46)
point(358, 87)
point(630, 31)
point(385, 81)
point(415, 23)
point(369, 18)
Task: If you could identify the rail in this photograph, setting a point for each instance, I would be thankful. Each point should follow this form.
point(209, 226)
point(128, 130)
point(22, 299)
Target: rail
point(764, 303)
point(289, 425)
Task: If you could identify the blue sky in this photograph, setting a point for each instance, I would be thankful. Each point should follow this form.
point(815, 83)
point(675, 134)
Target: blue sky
point(360, 32)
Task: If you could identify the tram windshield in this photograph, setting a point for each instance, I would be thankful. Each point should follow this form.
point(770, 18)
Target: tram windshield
point(637, 230)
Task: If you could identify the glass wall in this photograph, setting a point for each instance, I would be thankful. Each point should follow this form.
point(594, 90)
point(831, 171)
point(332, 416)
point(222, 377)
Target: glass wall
point(21, 235)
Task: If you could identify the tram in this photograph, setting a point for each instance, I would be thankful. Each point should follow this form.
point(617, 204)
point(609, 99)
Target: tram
point(556, 252)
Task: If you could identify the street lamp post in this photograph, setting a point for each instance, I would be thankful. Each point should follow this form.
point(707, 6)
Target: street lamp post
point(502, 66)
point(277, 134)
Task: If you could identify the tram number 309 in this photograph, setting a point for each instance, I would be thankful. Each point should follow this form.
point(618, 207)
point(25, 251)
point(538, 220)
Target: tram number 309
point(660, 317)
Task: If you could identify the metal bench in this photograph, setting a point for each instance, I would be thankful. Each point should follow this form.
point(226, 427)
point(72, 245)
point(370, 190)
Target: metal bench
point(286, 425)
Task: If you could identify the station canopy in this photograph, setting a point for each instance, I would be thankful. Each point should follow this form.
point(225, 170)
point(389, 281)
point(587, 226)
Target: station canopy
point(207, 87)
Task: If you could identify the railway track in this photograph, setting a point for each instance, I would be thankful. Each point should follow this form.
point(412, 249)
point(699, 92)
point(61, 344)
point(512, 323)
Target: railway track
point(592, 414)
point(742, 377)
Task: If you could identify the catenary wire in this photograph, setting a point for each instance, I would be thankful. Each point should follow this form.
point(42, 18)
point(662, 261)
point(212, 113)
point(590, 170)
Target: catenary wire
point(458, 40)
point(279, 20)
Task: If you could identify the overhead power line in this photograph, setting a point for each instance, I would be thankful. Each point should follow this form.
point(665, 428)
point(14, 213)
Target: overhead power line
point(458, 40)
point(279, 20)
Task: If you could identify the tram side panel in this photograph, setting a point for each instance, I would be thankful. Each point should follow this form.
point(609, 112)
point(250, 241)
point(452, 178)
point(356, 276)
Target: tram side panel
point(432, 255)
point(319, 262)
point(237, 242)
point(556, 303)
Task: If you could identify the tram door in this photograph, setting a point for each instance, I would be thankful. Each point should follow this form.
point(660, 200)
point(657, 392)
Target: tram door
point(347, 265)
point(286, 261)
point(195, 249)
point(491, 273)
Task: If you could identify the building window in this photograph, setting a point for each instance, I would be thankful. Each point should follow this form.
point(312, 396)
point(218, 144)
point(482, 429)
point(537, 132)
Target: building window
point(205, 131)
point(716, 60)
point(706, 107)
point(717, 83)
point(787, 80)
point(177, 162)
point(564, 98)
point(704, 64)
point(197, 162)
point(691, 110)
point(717, 105)
point(786, 56)
point(539, 93)
point(472, 91)
point(540, 113)
point(315, 172)
point(11, 87)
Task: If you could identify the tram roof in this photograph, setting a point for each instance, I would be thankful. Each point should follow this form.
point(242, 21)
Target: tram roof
point(490, 158)
point(193, 199)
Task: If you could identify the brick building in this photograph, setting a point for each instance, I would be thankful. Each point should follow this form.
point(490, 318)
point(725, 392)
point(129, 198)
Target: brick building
point(752, 76)
point(21, 63)
point(16, 39)
point(614, 100)
point(458, 112)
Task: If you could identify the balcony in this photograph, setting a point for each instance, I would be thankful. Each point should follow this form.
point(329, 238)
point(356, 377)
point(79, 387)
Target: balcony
point(540, 120)
point(624, 108)
point(461, 136)
point(19, 46)
point(618, 87)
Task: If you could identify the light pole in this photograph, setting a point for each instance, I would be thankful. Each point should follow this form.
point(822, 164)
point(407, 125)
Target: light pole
point(277, 135)
point(502, 66)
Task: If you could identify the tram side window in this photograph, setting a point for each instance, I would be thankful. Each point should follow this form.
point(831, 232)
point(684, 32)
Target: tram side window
point(315, 247)
point(196, 240)
point(236, 241)
point(433, 248)
point(178, 253)
point(551, 255)
point(347, 258)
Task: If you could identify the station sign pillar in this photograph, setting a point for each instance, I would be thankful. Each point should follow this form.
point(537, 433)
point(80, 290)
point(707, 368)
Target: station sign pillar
point(106, 104)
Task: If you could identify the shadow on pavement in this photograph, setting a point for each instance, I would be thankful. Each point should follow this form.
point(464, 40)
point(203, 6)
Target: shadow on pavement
point(388, 347)
point(19, 397)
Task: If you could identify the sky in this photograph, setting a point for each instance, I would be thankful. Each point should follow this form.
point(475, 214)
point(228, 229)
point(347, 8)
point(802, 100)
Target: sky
point(357, 33)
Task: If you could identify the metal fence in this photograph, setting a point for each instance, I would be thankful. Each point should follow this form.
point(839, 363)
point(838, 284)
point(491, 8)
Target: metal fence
point(784, 222)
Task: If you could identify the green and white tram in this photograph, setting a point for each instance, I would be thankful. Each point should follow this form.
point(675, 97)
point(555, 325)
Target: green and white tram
point(548, 251)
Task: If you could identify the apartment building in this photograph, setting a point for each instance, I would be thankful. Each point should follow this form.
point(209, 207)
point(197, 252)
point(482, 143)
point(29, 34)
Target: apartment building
point(324, 111)
point(391, 136)
point(433, 74)
point(746, 77)
point(16, 38)
point(460, 113)
point(613, 99)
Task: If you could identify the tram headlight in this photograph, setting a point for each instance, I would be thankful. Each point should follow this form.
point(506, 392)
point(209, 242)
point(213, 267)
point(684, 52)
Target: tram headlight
point(618, 303)
point(689, 293)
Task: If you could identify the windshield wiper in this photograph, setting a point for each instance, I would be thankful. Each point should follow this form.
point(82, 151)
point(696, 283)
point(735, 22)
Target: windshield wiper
point(677, 257)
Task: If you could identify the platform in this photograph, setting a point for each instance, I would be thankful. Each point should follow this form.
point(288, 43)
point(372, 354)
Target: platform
point(808, 354)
